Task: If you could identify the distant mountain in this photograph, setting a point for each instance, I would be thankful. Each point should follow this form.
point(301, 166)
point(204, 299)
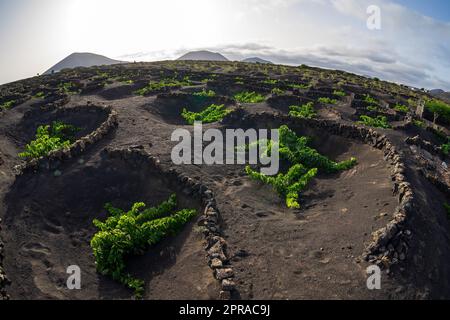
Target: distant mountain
point(257, 60)
point(441, 94)
point(437, 91)
point(82, 59)
point(203, 55)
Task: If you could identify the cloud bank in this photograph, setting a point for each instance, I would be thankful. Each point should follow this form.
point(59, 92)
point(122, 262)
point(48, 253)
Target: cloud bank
point(410, 48)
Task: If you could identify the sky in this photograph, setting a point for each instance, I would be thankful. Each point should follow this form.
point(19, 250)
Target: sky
point(412, 45)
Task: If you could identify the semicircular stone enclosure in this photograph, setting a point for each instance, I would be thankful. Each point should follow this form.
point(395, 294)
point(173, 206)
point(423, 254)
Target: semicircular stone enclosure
point(49, 223)
point(86, 167)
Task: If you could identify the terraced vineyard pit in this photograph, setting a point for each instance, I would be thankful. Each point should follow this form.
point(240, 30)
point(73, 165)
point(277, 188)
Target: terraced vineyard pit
point(170, 106)
point(48, 226)
point(280, 253)
point(86, 118)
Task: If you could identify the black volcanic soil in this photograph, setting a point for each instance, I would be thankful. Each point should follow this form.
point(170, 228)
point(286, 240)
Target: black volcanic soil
point(277, 253)
point(319, 244)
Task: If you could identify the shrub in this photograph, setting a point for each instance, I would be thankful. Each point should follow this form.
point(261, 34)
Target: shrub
point(305, 111)
point(440, 108)
point(249, 97)
point(378, 122)
point(444, 140)
point(48, 138)
point(305, 163)
point(205, 94)
point(299, 86)
point(327, 100)
point(370, 100)
point(446, 148)
point(7, 105)
point(125, 81)
point(155, 86)
point(40, 95)
point(287, 185)
point(102, 75)
point(296, 150)
point(271, 81)
point(373, 108)
point(130, 233)
point(401, 108)
point(339, 93)
point(419, 124)
point(67, 88)
point(277, 91)
point(239, 80)
point(212, 113)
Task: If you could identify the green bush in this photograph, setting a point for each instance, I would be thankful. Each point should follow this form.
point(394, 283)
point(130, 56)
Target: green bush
point(102, 75)
point(155, 86)
point(370, 100)
point(299, 86)
point(249, 97)
point(296, 150)
point(125, 81)
point(327, 100)
point(339, 93)
point(440, 108)
point(401, 108)
point(446, 148)
point(378, 122)
point(305, 111)
point(67, 88)
point(205, 94)
point(271, 81)
point(212, 113)
point(287, 185)
point(7, 105)
point(40, 95)
point(277, 91)
point(48, 138)
point(373, 108)
point(239, 80)
point(130, 233)
point(444, 140)
point(419, 124)
point(305, 162)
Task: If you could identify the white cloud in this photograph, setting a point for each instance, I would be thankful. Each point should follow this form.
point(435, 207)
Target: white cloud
point(366, 61)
